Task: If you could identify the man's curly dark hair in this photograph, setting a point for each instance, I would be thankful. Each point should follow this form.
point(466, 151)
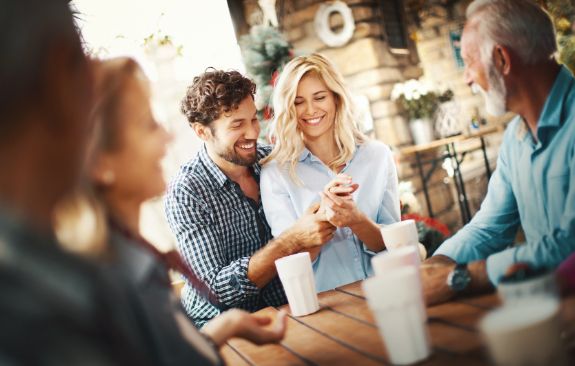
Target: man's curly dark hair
point(215, 92)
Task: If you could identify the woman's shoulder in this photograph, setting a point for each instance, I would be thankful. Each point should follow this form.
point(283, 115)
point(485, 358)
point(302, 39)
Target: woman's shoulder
point(274, 168)
point(375, 148)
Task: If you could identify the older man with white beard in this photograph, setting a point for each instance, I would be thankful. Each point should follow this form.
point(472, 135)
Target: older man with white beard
point(508, 47)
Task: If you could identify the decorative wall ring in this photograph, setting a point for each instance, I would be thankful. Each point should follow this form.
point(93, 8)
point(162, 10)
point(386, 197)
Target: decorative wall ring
point(324, 31)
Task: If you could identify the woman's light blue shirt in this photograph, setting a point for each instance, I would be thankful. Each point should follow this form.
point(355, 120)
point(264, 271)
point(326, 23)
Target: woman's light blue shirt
point(345, 258)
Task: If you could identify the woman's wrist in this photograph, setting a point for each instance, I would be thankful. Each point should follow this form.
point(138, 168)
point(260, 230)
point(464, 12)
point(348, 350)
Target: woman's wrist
point(358, 221)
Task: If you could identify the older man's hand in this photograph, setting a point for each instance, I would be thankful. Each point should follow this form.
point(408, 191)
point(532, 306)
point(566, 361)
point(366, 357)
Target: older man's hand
point(434, 272)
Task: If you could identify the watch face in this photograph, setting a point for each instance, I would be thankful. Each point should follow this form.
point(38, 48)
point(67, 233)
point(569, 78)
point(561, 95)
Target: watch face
point(459, 279)
point(459, 283)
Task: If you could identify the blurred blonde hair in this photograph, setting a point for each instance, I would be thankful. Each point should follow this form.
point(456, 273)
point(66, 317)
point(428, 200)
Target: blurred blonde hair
point(289, 142)
point(81, 219)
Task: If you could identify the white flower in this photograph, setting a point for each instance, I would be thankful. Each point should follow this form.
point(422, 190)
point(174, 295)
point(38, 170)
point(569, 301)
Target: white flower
point(397, 91)
point(408, 94)
point(406, 196)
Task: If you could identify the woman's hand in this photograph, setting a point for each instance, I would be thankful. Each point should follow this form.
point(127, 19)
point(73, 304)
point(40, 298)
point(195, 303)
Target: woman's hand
point(338, 204)
point(254, 328)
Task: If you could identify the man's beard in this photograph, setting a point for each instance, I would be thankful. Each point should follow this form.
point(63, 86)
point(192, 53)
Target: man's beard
point(233, 157)
point(495, 97)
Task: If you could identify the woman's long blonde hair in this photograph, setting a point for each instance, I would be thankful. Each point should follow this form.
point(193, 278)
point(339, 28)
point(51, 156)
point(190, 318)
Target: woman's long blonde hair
point(289, 142)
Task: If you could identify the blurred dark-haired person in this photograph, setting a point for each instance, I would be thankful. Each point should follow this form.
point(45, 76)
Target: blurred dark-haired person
point(214, 208)
point(55, 309)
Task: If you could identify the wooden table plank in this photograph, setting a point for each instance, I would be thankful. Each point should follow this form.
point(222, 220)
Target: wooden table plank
point(457, 314)
point(454, 338)
point(363, 339)
point(323, 348)
point(267, 354)
point(349, 305)
point(232, 357)
point(352, 288)
point(445, 359)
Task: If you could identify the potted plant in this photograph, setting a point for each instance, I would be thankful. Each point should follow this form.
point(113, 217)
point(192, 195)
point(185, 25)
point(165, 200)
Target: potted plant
point(419, 102)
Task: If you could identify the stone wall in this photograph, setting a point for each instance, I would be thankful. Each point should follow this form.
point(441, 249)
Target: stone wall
point(368, 65)
point(439, 66)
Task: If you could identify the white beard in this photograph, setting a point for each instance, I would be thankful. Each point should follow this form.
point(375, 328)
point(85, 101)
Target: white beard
point(495, 97)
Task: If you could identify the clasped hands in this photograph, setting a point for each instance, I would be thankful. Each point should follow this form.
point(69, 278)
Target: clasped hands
point(337, 202)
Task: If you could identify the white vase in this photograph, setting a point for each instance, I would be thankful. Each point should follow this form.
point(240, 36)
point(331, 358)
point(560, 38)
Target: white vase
point(421, 130)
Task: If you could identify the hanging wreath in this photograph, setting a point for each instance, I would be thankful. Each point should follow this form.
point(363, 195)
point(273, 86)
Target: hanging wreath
point(323, 29)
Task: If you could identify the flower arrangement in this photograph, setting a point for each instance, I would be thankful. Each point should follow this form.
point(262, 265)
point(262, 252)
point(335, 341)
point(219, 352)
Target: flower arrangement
point(161, 46)
point(418, 99)
point(431, 232)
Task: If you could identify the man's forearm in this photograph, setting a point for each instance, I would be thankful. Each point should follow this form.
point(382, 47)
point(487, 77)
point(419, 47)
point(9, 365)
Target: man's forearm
point(261, 268)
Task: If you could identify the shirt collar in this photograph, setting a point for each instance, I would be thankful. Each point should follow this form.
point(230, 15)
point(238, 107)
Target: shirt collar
point(306, 154)
point(218, 177)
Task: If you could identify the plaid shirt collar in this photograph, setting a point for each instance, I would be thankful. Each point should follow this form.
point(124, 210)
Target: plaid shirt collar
point(219, 178)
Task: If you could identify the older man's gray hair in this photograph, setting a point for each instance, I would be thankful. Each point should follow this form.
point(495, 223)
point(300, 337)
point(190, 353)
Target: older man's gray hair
point(521, 25)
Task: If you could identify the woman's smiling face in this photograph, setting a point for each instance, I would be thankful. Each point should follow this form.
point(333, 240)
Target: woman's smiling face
point(315, 106)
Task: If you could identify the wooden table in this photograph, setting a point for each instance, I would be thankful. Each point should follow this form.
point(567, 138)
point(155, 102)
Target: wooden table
point(344, 332)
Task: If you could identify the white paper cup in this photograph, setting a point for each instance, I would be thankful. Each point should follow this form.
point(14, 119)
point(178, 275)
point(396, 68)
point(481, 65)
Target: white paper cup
point(400, 257)
point(527, 333)
point(541, 286)
point(397, 305)
point(296, 275)
point(400, 234)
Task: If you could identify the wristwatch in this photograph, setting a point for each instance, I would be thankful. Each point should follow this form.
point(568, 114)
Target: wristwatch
point(459, 278)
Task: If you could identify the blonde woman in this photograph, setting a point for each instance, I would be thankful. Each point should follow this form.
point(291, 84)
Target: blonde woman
point(321, 156)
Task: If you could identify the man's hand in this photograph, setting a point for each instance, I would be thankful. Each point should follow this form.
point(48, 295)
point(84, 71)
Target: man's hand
point(311, 230)
point(254, 328)
point(434, 281)
point(434, 272)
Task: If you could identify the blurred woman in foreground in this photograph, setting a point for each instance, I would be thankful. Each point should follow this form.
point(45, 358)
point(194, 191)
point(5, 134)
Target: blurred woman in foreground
point(123, 172)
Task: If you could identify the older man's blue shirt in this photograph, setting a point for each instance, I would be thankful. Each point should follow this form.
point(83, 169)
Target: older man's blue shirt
point(533, 185)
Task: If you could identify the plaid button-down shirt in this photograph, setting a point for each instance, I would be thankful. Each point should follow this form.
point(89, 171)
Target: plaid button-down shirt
point(218, 229)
